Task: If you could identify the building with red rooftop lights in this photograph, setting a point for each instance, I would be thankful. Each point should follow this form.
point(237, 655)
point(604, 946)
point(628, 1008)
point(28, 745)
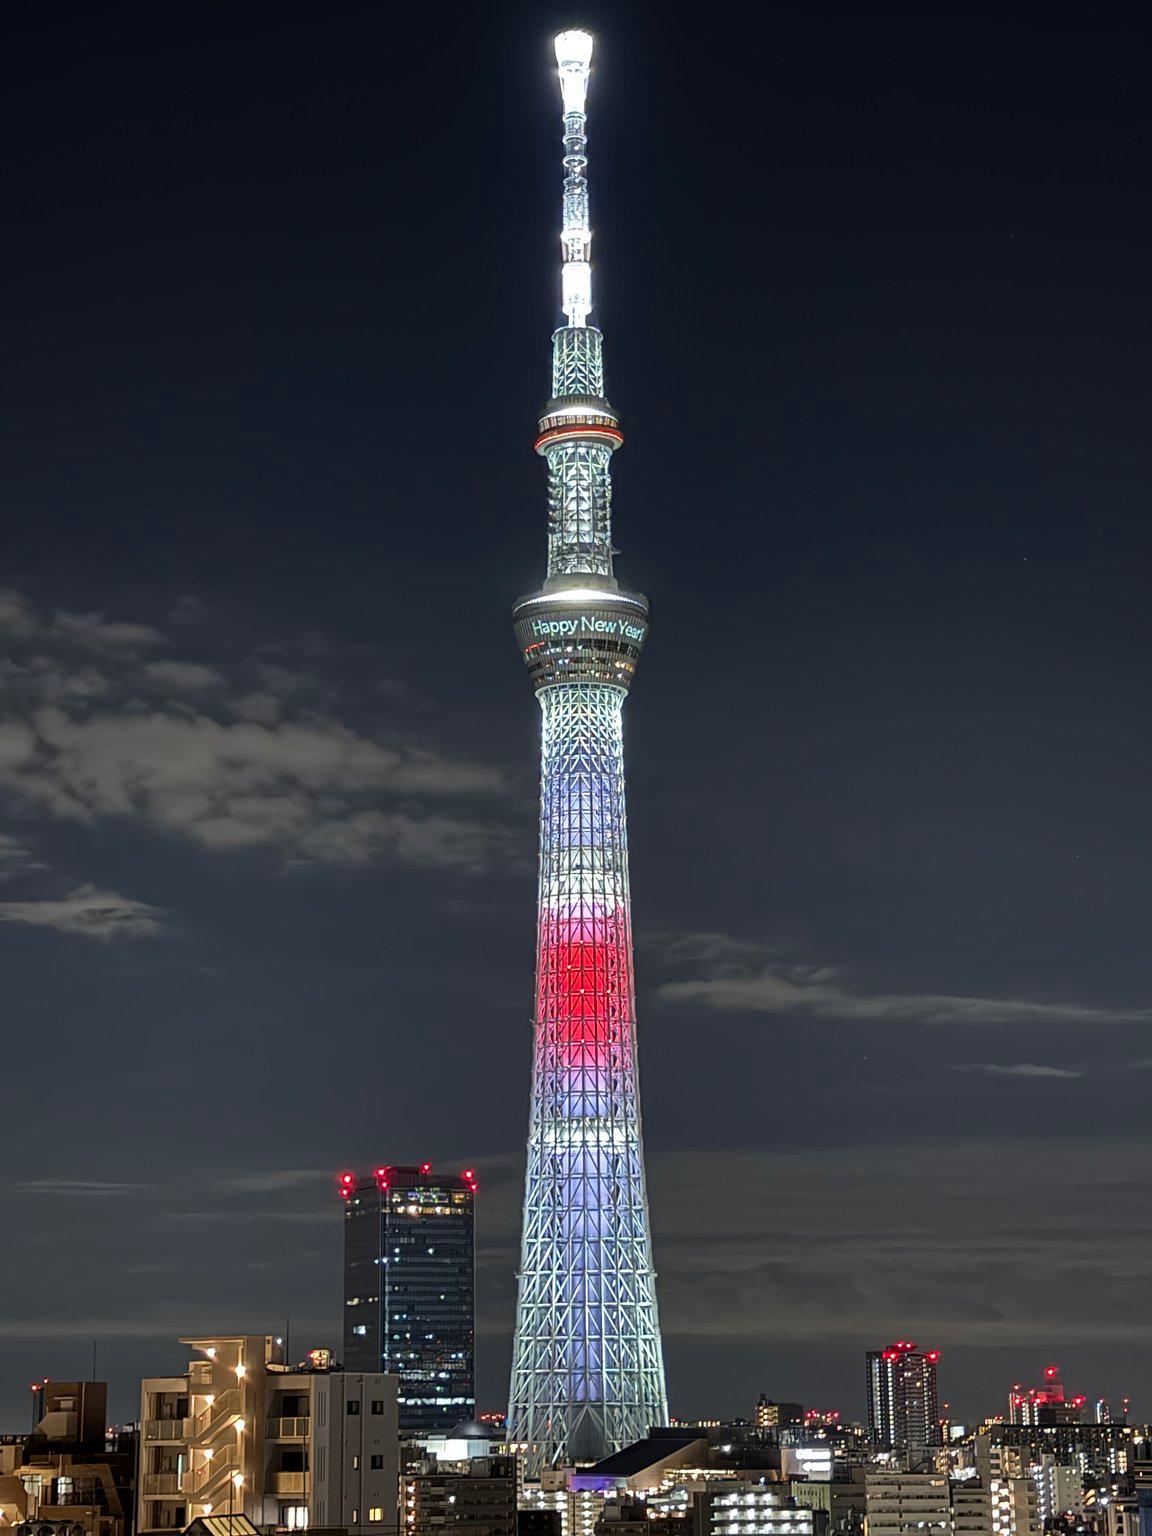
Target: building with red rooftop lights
point(409, 1288)
point(903, 1403)
point(1048, 1404)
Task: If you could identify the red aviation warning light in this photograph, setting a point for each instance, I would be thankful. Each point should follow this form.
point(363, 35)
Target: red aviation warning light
point(347, 1185)
point(425, 1167)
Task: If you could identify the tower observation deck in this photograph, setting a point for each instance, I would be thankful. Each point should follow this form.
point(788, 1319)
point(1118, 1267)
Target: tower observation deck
point(587, 1370)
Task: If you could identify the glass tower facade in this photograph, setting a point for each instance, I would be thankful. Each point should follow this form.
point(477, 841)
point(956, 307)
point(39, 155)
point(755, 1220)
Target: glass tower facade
point(409, 1289)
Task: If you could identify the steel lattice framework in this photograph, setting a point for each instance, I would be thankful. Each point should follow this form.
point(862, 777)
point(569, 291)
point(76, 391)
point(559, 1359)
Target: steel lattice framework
point(588, 1371)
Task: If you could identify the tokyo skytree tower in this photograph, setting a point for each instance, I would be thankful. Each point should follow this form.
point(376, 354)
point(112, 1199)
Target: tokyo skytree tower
point(587, 1369)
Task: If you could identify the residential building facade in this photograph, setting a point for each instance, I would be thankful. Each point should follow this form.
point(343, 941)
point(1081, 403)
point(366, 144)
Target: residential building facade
point(242, 1433)
point(903, 1403)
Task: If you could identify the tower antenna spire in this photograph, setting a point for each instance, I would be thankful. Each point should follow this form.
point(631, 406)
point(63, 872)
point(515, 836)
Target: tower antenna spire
point(574, 63)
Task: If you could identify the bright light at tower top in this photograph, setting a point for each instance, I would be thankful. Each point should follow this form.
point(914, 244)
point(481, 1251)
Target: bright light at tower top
point(574, 57)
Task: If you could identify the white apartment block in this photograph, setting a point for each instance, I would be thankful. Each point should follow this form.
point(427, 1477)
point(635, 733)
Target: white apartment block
point(239, 1432)
point(1015, 1507)
point(750, 1510)
point(579, 1510)
point(907, 1504)
point(1059, 1487)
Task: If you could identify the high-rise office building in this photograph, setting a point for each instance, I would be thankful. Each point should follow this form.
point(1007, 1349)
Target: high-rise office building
point(588, 1370)
point(409, 1288)
point(903, 1406)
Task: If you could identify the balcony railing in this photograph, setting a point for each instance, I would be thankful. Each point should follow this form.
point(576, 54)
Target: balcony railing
point(163, 1482)
point(288, 1482)
point(166, 1429)
point(165, 1517)
point(287, 1429)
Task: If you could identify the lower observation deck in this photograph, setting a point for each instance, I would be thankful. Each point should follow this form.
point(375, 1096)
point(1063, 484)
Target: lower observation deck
point(581, 634)
point(578, 419)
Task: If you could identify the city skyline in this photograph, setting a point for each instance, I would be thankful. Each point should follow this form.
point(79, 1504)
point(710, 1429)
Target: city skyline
point(874, 288)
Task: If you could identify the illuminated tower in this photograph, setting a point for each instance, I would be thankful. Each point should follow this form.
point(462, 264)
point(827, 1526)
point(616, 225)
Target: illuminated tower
point(587, 1369)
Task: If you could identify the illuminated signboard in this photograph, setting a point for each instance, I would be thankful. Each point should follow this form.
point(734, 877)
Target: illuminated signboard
point(578, 626)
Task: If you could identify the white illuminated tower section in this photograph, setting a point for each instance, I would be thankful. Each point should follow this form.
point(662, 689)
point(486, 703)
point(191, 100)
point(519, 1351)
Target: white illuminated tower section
point(587, 1370)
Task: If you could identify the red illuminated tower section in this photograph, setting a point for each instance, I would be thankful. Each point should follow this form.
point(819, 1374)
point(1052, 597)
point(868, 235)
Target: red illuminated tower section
point(587, 1369)
point(903, 1402)
point(409, 1288)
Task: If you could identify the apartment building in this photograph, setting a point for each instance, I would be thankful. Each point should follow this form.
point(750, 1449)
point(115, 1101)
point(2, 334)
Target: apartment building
point(240, 1432)
point(70, 1476)
point(473, 1497)
point(906, 1504)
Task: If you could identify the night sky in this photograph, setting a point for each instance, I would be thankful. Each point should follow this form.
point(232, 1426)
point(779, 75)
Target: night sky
point(279, 286)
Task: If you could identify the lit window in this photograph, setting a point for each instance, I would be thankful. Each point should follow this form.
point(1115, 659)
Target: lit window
point(375, 1516)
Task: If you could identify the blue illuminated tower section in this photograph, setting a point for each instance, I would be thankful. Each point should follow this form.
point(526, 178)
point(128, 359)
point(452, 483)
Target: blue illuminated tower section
point(587, 1369)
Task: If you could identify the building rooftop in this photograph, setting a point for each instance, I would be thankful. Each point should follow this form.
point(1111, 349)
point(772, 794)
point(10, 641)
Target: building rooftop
point(641, 1456)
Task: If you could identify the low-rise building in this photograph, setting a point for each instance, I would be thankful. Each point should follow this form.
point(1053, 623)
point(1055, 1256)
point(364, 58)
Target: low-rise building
point(472, 1497)
point(906, 1504)
point(242, 1433)
point(70, 1474)
point(773, 1415)
point(1015, 1507)
point(750, 1509)
point(837, 1505)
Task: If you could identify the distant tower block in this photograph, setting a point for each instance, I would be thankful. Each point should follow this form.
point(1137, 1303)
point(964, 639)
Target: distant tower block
point(903, 1404)
point(588, 1370)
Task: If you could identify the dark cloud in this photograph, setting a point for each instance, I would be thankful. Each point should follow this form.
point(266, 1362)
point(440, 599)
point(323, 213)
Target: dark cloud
point(177, 746)
point(79, 1188)
point(1017, 1069)
point(88, 912)
point(16, 860)
point(735, 981)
